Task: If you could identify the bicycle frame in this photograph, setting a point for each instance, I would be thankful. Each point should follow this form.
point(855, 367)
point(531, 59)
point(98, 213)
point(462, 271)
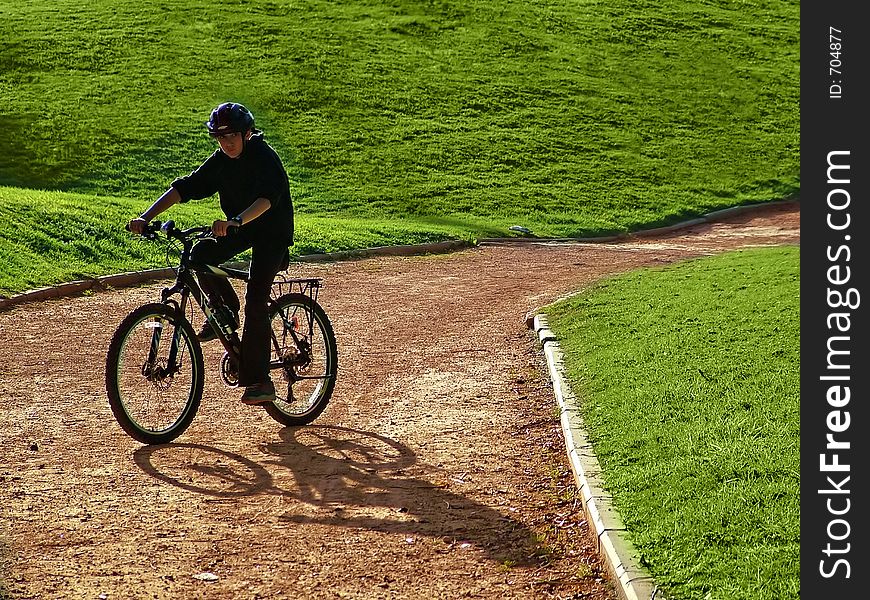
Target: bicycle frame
point(187, 287)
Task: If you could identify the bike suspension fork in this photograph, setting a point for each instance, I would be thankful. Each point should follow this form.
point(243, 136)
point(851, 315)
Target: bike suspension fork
point(180, 307)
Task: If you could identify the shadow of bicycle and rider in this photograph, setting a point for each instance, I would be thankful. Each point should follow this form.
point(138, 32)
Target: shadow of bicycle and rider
point(350, 478)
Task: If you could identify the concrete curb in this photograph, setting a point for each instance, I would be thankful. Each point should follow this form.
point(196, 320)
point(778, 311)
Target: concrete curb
point(408, 250)
point(79, 287)
point(619, 554)
point(707, 218)
point(136, 278)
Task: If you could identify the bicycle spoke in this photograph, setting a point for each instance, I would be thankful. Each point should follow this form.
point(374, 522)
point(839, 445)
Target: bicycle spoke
point(304, 359)
point(154, 374)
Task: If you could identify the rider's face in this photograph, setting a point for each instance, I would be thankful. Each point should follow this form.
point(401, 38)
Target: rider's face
point(231, 143)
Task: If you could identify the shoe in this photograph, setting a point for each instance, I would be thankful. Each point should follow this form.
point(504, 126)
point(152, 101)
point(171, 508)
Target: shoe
point(259, 393)
point(206, 333)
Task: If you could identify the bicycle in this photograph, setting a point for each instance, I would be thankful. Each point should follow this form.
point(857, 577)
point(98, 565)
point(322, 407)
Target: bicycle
point(155, 370)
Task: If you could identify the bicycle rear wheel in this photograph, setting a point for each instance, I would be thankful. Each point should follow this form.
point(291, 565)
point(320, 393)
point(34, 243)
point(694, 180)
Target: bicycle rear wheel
point(154, 374)
point(307, 371)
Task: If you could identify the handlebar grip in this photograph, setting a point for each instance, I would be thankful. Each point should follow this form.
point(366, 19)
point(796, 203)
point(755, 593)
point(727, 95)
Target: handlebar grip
point(150, 228)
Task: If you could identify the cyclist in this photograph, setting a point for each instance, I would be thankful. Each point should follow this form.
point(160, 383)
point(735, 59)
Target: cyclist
point(254, 193)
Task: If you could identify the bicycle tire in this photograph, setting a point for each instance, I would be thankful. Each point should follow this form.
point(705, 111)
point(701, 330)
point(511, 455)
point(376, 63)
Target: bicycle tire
point(305, 389)
point(151, 405)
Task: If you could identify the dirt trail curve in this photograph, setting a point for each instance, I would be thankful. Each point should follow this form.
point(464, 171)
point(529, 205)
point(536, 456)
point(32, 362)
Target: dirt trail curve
point(439, 470)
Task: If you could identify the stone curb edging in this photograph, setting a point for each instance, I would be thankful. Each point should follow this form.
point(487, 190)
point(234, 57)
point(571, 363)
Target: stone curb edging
point(79, 287)
point(407, 250)
point(134, 278)
point(619, 554)
point(707, 218)
point(137, 277)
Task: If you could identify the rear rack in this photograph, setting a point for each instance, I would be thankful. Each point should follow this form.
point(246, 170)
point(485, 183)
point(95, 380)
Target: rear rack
point(309, 286)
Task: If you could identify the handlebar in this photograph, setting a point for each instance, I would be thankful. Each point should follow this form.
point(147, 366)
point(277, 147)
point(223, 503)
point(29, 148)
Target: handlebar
point(152, 229)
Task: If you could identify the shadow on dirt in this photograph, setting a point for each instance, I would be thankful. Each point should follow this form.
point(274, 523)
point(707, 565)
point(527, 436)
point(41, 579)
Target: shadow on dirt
point(346, 478)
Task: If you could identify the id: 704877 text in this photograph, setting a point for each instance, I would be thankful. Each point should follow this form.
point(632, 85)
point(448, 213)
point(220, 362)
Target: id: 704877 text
point(835, 63)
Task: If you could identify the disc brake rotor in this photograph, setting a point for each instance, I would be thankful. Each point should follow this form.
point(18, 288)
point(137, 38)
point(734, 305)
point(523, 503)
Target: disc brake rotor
point(229, 371)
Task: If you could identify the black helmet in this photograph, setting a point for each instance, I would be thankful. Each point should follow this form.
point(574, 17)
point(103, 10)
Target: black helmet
point(230, 117)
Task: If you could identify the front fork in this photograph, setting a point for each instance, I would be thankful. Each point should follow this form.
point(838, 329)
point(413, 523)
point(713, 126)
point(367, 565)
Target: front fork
point(151, 369)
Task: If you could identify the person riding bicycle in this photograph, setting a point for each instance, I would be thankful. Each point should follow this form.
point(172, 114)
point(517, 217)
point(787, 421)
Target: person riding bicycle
point(254, 191)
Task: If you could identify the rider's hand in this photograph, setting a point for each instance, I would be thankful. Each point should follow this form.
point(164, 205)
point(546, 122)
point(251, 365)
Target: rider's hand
point(137, 225)
point(220, 228)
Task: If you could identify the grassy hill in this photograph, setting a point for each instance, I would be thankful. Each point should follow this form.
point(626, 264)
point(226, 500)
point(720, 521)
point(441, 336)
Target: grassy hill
point(569, 118)
point(49, 237)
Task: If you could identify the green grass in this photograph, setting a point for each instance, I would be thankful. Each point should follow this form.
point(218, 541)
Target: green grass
point(398, 122)
point(571, 118)
point(688, 382)
point(52, 237)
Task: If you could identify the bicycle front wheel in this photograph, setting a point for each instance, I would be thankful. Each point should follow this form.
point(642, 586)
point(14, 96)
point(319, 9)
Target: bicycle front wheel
point(305, 353)
point(154, 374)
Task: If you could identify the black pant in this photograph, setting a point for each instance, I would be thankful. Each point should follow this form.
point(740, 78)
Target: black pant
point(267, 258)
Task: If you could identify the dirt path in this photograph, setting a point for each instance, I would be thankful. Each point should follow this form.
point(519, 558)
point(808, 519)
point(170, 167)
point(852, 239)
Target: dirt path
point(439, 470)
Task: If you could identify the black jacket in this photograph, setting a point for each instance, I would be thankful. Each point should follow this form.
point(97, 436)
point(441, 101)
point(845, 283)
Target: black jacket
point(256, 173)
